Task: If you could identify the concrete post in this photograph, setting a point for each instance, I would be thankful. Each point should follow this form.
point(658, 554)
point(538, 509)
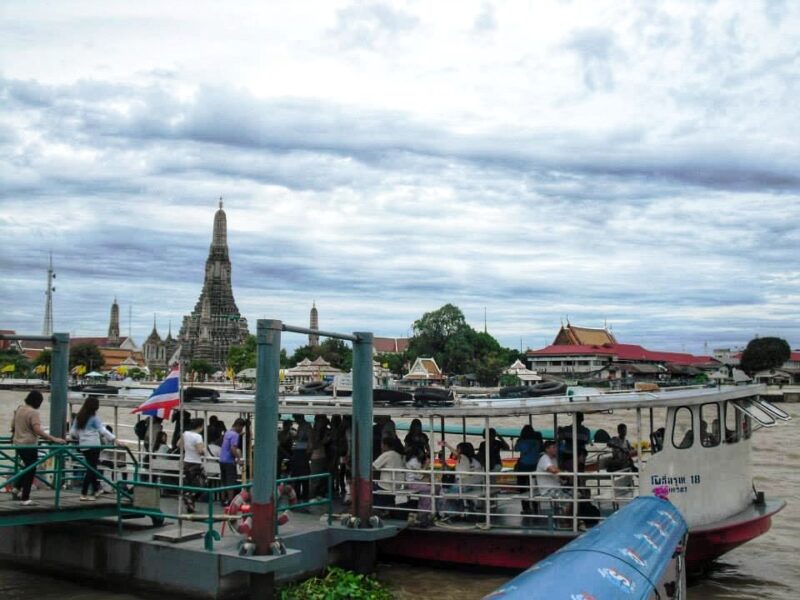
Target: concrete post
point(268, 340)
point(362, 427)
point(59, 374)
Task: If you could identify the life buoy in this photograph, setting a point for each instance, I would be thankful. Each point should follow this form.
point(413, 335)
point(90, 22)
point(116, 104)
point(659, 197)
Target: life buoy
point(240, 505)
point(286, 495)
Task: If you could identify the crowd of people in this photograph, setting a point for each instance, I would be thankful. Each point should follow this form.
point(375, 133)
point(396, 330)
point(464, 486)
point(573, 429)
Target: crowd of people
point(307, 448)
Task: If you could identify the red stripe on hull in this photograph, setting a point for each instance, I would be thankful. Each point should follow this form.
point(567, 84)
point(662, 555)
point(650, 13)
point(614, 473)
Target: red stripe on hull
point(705, 546)
point(520, 551)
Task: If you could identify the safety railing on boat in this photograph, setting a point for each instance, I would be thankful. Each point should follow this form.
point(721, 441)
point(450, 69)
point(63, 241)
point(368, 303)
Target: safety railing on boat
point(504, 499)
point(151, 506)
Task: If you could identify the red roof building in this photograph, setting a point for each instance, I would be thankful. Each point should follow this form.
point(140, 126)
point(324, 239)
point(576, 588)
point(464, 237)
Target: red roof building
point(384, 345)
point(575, 359)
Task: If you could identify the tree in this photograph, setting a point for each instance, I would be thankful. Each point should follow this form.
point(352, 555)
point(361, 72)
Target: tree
point(88, 355)
point(764, 353)
point(336, 352)
point(458, 348)
point(396, 363)
point(244, 356)
point(201, 367)
point(14, 363)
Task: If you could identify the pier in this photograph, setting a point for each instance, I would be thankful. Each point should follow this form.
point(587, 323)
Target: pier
point(120, 538)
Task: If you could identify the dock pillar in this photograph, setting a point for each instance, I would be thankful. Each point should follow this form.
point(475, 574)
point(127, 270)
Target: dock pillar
point(59, 375)
point(364, 553)
point(268, 345)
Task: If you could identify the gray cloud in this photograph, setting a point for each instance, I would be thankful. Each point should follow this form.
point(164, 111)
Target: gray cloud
point(655, 187)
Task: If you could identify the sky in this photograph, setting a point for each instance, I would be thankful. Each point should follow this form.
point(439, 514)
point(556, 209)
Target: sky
point(635, 164)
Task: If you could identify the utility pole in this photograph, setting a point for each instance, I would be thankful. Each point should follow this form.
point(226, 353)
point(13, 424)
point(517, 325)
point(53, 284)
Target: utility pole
point(47, 328)
point(485, 329)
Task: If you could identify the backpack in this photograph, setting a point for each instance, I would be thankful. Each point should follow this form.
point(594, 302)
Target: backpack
point(140, 429)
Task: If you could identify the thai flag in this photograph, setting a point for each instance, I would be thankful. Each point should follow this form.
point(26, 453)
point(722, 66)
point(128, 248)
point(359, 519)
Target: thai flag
point(164, 398)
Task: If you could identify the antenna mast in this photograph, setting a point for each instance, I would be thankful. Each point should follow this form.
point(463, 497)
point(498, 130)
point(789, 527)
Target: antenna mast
point(47, 328)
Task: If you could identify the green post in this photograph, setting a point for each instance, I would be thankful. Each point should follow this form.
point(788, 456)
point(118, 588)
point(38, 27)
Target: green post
point(59, 374)
point(268, 365)
point(362, 427)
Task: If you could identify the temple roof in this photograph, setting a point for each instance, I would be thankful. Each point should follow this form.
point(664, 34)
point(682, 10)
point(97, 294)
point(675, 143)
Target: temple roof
point(570, 334)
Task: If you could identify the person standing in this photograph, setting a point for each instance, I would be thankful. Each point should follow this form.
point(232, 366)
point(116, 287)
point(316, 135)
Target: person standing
point(26, 429)
point(191, 442)
point(89, 431)
point(320, 439)
point(298, 464)
point(229, 457)
point(529, 446)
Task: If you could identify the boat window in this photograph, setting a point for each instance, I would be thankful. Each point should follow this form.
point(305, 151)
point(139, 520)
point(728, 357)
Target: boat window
point(748, 407)
point(731, 431)
point(683, 428)
point(776, 412)
point(709, 424)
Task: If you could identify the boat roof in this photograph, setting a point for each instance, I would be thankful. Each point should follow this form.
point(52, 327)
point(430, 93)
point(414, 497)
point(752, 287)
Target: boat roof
point(583, 401)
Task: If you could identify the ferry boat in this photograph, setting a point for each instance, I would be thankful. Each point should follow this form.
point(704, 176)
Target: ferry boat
point(694, 448)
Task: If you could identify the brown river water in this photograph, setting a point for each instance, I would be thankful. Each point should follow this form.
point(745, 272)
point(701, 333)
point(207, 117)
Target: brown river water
point(768, 567)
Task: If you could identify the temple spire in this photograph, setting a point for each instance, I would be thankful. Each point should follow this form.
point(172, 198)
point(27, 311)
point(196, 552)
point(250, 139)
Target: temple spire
point(220, 238)
point(113, 325)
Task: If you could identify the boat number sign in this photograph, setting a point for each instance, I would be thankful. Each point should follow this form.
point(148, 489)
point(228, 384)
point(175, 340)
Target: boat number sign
point(677, 484)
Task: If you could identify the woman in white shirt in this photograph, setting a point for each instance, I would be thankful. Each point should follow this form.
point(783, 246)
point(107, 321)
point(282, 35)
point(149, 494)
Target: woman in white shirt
point(391, 457)
point(418, 478)
point(467, 476)
point(191, 443)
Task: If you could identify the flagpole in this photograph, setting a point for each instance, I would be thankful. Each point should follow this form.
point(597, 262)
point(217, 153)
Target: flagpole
point(182, 426)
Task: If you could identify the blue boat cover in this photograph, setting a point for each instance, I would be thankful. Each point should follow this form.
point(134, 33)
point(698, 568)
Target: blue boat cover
point(622, 557)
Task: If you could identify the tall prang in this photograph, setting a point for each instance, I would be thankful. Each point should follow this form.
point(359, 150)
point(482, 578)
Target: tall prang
point(215, 324)
point(313, 338)
point(113, 326)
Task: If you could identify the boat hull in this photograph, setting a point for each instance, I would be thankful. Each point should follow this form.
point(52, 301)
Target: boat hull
point(519, 549)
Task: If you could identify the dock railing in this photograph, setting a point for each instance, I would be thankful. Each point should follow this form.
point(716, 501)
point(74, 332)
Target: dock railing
point(208, 516)
point(56, 466)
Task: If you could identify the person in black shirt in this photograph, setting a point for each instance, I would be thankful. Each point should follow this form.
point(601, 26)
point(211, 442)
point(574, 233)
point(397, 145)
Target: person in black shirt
point(565, 444)
point(497, 443)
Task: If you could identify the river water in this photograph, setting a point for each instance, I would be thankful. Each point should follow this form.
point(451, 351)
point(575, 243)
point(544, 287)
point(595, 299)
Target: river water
point(768, 567)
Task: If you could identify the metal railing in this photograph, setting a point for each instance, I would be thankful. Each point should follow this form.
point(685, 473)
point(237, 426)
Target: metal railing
point(209, 518)
point(63, 463)
point(505, 499)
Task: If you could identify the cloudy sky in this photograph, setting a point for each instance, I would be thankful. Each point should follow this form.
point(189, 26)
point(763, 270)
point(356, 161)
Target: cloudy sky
point(631, 162)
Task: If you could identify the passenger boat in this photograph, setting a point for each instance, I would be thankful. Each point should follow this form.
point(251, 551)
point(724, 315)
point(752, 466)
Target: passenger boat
point(695, 445)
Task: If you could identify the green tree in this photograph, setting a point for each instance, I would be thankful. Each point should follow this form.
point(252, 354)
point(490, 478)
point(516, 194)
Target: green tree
point(21, 364)
point(338, 353)
point(764, 353)
point(458, 349)
point(244, 356)
point(88, 355)
point(396, 363)
point(201, 367)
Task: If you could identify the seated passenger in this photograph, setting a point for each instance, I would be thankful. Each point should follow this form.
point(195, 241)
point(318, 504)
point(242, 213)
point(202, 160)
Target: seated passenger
point(418, 461)
point(497, 444)
point(467, 478)
point(621, 451)
point(389, 481)
point(547, 480)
